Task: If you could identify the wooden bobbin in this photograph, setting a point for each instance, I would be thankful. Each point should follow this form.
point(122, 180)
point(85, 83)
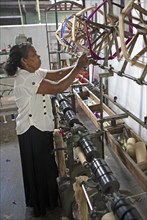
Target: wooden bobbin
point(140, 151)
point(80, 155)
point(60, 154)
point(108, 216)
point(4, 119)
point(130, 147)
point(80, 197)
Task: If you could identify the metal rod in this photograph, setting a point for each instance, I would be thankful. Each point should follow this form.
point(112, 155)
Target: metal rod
point(58, 45)
point(126, 111)
point(87, 198)
point(119, 106)
point(101, 102)
point(143, 74)
point(101, 112)
point(47, 32)
point(122, 74)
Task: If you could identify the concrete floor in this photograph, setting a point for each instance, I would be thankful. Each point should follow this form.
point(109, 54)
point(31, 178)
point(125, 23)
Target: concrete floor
point(12, 204)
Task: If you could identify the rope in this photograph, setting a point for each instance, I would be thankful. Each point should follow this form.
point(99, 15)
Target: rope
point(19, 5)
point(38, 10)
point(21, 15)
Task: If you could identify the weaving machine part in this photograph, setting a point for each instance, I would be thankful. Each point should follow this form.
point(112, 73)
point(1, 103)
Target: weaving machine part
point(92, 189)
point(138, 21)
point(103, 35)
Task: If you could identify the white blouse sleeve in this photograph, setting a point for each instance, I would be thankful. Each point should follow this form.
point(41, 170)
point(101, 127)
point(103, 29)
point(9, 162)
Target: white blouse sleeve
point(33, 81)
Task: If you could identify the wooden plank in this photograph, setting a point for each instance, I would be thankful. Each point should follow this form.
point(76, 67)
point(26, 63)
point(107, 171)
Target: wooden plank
point(97, 100)
point(87, 111)
point(123, 156)
point(81, 96)
point(95, 108)
point(110, 131)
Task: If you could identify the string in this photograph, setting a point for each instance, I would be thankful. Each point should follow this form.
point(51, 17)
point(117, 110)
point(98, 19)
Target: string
point(38, 10)
point(21, 15)
point(94, 11)
point(20, 12)
point(63, 31)
point(64, 25)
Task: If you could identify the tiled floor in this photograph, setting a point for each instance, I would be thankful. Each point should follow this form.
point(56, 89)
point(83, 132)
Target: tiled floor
point(12, 205)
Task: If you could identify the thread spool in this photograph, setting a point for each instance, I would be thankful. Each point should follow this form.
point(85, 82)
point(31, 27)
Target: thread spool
point(141, 158)
point(5, 120)
point(60, 154)
point(81, 156)
point(130, 147)
point(108, 216)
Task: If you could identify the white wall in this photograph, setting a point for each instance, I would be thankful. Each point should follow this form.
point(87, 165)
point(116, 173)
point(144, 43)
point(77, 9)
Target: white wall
point(39, 38)
point(38, 34)
point(131, 96)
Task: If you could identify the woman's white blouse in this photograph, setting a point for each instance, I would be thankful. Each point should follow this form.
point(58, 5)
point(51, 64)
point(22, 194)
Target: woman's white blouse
point(33, 109)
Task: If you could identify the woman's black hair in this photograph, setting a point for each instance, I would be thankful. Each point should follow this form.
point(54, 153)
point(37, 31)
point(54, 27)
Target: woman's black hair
point(14, 61)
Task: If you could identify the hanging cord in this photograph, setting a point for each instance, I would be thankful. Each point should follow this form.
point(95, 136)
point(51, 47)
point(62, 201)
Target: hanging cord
point(38, 10)
point(20, 12)
point(21, 15)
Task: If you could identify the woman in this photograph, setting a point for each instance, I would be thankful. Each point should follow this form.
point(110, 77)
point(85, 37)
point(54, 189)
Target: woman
point(34, 123)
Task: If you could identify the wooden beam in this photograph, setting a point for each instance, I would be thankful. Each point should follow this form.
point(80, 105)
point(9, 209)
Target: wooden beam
point(116, 149)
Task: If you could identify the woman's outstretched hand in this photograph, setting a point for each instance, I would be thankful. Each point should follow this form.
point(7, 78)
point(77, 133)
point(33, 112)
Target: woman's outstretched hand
point(82, 61)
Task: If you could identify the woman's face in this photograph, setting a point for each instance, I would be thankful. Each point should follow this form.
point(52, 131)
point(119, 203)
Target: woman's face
point(32, 62)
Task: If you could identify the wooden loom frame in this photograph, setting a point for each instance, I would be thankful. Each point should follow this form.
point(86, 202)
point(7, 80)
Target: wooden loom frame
point(105, 36)
point(141, 31)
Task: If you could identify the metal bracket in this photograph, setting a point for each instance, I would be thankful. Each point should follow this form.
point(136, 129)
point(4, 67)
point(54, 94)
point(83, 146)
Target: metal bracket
point(141, 79)
point(113, 118)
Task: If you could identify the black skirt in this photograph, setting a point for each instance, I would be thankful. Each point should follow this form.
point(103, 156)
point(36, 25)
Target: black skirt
point(39, 170)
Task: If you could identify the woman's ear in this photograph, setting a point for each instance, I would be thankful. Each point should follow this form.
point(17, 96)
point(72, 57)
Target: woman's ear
point(23, 62)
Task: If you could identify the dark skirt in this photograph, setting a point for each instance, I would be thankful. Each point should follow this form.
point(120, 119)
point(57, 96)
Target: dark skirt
point(39, 170)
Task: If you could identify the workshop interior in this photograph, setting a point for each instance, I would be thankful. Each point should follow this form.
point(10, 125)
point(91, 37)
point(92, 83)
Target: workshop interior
point(100, 133)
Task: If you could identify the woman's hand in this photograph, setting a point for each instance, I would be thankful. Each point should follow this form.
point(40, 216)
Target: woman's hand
point(82, 61)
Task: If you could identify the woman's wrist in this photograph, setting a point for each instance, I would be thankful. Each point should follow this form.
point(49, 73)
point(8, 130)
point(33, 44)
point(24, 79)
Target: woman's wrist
point(77, 67)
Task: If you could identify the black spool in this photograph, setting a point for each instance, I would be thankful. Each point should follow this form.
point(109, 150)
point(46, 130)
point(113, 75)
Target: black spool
point(124, 210)
point(104, 175)
point(88, 148)
point(60, 97)
point(71, 118)
point(64, 106)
